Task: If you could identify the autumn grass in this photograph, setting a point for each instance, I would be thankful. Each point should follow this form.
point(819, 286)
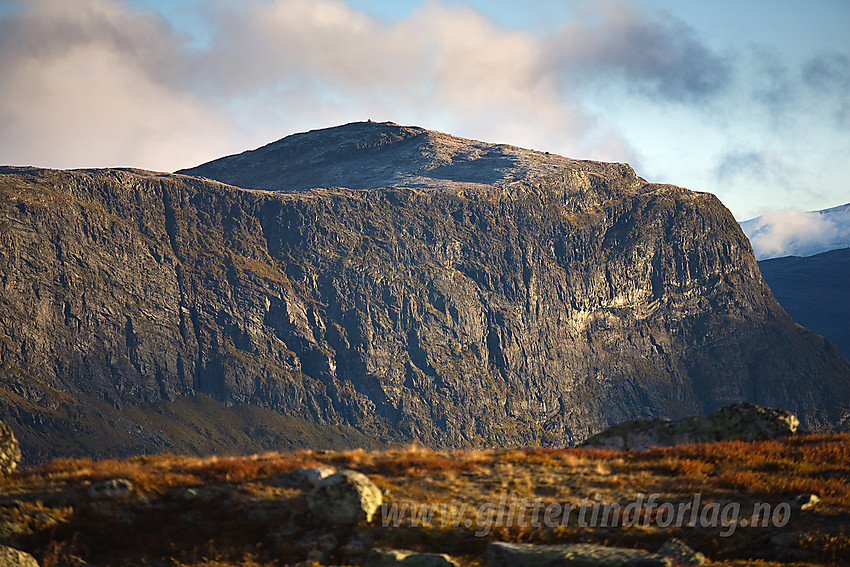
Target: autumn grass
point(818, 463)
point(222, 511)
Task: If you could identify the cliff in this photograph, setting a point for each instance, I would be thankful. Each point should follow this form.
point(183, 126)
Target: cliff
point(377, 283)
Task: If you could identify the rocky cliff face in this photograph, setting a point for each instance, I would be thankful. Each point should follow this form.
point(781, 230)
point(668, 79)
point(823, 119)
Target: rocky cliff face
point(393, 283)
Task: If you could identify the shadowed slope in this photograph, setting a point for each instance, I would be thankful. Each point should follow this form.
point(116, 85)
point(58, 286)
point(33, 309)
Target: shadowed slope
point(815, 291)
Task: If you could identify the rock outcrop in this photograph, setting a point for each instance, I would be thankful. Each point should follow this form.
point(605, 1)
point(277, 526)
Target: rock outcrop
point(10, 450)
point(502, 554)
point(345, 498)
point(306, 477)
point(739, 422)
point(378, 283)
point(110, 489)
point(681, 553)
point(11, 557)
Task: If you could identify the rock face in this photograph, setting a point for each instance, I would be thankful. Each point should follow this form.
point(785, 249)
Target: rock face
point(345, 498)
point(742, 421)
point(10, 451)
point(399, 282)
point(10, 557)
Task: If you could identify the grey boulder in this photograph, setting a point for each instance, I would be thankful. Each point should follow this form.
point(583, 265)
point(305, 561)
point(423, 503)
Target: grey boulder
point(11, 557)
point(502, 554)
point(345, 498)
point(741, 421)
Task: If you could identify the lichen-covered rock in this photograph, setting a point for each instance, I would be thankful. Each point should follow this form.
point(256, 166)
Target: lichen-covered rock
point(741, 421)
point(305, 477)
point(10, 451)
point(502, 554)
point(803, 502)
point(404, 558)
point(681, 553)
point(345, 498)
point(749, 422)
point(11, 557)
point(110, 489)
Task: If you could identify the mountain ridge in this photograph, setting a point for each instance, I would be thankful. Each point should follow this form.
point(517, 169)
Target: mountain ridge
point(785, 233)
point(815, 291)
point(559, 299)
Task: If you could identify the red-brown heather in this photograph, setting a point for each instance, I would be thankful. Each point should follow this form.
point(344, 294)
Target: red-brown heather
point(238, 510)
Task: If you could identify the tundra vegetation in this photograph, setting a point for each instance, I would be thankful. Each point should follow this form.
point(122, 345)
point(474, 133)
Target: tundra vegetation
point(247, 511)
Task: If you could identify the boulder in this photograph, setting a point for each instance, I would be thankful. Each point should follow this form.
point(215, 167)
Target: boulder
point(681, 553)
point(110, 489)
point(742, 421)
point(345, 498)
point(502, 554)
point(10, 451)
point(305, 477)
point(393, 557)
point(749, 422)
point(11, 557)
point(803, 502)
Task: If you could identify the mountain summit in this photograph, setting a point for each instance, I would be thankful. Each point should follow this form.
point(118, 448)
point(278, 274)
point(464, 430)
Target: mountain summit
point(370, 155)
point(374, 283)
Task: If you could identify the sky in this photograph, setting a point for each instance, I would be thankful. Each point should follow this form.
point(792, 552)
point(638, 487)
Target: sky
point(746, 99)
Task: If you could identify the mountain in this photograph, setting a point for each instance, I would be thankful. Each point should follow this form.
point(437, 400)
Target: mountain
point(815, 291)
point(794, 233)
point(374, 283)
point(805, 258)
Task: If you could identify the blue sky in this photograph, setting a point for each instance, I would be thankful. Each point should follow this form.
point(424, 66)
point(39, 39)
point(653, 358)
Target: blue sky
point(747, 99)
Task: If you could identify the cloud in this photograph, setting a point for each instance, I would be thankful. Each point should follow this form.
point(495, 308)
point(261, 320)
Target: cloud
point(92, 83)
point(767, 168)
point(828, 71)
point(738, 163)
point(655, 54)
point(774, 84)
point(829, 75)
point(789, 232)
point(100, 82)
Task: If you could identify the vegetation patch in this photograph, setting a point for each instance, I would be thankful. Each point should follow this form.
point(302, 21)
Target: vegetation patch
point(247, 511)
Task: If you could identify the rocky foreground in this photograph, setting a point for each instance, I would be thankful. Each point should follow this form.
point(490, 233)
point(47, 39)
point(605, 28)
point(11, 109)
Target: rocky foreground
point(774, 502)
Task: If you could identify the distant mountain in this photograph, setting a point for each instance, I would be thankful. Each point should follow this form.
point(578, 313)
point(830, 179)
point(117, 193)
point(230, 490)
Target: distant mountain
point(794, 233)
point(815, 291)
point(805, 259)
point(375, 283)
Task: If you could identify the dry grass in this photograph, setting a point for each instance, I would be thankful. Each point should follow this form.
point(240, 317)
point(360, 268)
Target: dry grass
point(818, 463)
point(223, 511)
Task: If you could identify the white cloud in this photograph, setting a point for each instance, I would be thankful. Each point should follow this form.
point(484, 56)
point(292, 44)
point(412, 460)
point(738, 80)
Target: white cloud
point(788, 232)
point(86, 84)
point(100, 83)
